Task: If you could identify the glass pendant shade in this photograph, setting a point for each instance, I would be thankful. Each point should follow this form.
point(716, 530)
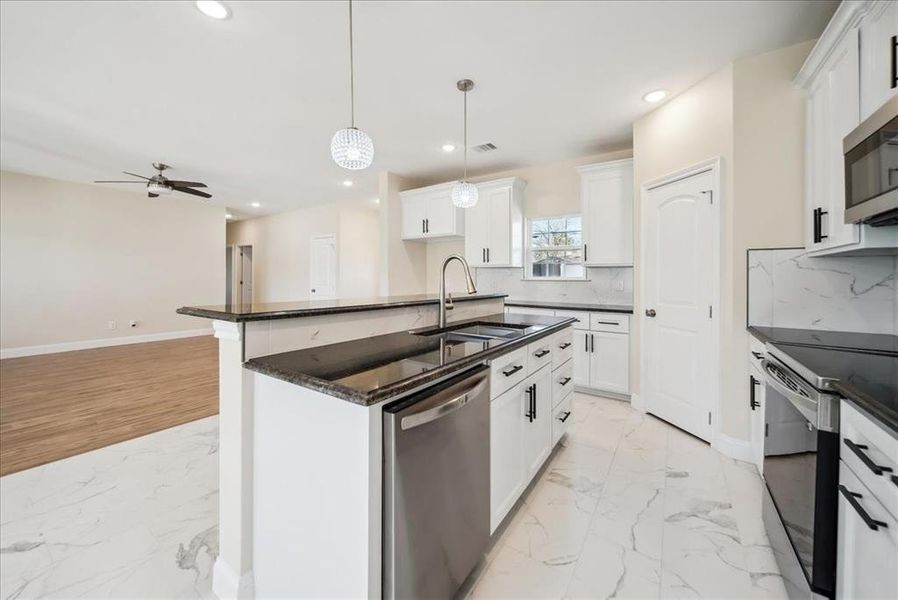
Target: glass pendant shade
point(464, 194)
point(352, 149)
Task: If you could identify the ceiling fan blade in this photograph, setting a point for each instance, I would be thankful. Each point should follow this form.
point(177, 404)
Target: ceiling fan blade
point(185, 183)
point(136, 175)
point(152, 195)
point(186, 190)
point(140, 182)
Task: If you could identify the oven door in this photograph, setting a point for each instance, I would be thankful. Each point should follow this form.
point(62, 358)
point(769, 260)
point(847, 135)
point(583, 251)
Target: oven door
point(801, 471)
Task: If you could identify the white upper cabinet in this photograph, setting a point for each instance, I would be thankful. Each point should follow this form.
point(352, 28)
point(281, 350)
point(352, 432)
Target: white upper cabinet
point(606, 198)
point(878, 31)
point(834, 75)
point(428, 213)
point(494, 228)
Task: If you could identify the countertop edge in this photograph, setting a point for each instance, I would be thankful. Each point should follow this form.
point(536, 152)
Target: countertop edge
point(400, 388)
point(299, 313)
point(869, 406)
point(584, 306)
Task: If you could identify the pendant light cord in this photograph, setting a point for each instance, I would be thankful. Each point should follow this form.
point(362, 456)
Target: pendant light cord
point(351, 73)
point(465, 138)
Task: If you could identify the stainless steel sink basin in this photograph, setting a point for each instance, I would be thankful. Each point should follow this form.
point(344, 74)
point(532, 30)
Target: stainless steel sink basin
point(477, 333)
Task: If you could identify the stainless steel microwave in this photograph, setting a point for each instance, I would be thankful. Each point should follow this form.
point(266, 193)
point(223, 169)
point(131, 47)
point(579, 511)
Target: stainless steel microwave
point(871, 168)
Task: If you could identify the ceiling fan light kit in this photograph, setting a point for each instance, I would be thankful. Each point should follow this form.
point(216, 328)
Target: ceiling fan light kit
point(464, 193)
point(352, 148)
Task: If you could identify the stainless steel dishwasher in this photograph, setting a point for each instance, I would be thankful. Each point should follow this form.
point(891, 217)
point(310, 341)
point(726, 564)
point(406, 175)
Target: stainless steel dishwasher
point(436, 487)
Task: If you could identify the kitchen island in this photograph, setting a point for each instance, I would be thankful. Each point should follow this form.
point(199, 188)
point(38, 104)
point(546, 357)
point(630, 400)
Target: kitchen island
point(247, 331)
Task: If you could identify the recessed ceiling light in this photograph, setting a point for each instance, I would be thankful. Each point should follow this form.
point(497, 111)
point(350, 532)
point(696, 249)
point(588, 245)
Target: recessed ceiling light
point(213, 8)
point(347, 182)
point(656, 96)
point(229, 216)
point(448, 147)
point(255, 205)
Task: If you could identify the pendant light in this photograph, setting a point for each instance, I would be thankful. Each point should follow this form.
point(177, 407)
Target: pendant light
point(352, 148)
point(464, 193)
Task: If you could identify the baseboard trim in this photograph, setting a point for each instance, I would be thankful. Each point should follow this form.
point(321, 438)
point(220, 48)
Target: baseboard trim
point(227, 585)
point(734, 447)
point(101, 343)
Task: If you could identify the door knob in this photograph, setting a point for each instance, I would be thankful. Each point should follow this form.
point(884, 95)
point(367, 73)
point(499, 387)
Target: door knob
point(650, 312)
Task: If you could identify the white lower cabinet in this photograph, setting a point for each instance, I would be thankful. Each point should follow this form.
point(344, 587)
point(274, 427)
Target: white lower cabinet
point(537, 408)
point(609, 361)
point(868, 543)
point(506, 459)
point(581, 358)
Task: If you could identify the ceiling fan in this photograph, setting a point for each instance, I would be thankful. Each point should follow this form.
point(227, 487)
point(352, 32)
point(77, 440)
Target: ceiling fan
point(160, 184)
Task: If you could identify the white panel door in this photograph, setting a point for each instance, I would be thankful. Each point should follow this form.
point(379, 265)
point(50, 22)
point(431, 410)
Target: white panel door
point(440, 214)
point(537, 433)
point(678, 258)
point(499, 247)
point(477, 233)
point(877, 50)
point(609, 365)
point(323, 267)
point(506, 459)
point(581, 357)
point(414, 212)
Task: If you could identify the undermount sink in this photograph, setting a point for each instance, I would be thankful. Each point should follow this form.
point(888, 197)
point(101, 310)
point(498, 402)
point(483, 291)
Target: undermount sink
point(477, 333)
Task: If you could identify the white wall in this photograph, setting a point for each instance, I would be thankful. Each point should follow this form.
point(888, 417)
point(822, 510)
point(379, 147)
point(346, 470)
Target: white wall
point(75, 256)
point(281, 250)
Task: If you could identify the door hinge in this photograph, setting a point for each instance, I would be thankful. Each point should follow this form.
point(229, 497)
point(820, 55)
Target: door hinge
point(710, 312)
point(710, 195)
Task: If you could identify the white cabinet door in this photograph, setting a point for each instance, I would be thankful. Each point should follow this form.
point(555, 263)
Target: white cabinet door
point(866, 558)
point(816, 175)
point(499, 246)
point(477, 233)
point(877, 49)
point(606, 196)
point(757, 394)
point(609, 362)
point(537, 436)
point(414, 213)
point(441, 214)
point(581, 357)
point(506, 459)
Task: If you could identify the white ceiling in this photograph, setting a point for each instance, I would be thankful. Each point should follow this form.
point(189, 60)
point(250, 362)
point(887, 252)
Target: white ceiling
point(248, 105)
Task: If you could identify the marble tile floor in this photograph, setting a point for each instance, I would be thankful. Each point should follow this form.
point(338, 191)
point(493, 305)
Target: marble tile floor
point(630, 507)
point(627, 507)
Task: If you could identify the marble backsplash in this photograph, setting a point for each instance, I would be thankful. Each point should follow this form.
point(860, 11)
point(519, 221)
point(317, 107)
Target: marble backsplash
point(787, 288)
point(603, 285)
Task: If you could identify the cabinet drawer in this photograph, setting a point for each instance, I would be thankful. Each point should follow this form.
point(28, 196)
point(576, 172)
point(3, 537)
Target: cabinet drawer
point(508, 370)
point(562, 347)
point(871, 454)
point(561, 418)
point(562, 382)
point(582, 321)
point(539, 353)
point(611, 322)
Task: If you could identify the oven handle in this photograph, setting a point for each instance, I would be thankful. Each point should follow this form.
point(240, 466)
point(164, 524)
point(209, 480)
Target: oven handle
point(804, 405)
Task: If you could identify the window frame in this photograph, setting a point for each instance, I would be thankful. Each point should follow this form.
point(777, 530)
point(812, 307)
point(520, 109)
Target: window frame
point(528, 249)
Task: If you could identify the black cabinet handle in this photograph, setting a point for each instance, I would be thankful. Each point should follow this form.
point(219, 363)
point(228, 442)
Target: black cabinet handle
point(894, 83)
point(757, 355)
point(533, 399)
point(609, 322)
point(565, 381)
point(512, 370)
point(818, 225)
point(858, 449)
point(894, 479)
point(567, 414)
point(541, 353)
point(592, 343)
point(585, 343)
point(852, 500)
point(564, 346)
point(584, 253)
point(422, 225)
point(487, 255)
point(751, 394)
point(529, 413)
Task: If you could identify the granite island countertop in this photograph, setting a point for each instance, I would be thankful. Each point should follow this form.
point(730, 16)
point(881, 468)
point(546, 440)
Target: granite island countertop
point(267, 311)
point(562, 305)
point(374, 369)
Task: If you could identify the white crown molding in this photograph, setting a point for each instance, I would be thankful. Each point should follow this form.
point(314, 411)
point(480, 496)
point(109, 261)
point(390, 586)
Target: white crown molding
point(611, 164)
point(100, 343)
point(505, 181)
point(848, 15)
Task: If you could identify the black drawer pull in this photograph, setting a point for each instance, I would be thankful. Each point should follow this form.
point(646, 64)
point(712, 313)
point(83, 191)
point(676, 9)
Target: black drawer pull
point(541, 353)
point(852, 500)
point(858, 449)
point(895, 479)
point(512, 370)
point(757, 355)
point(567, 414)
point(752, 402)
point(609, 322)
point(565, 345)
point(565, 381)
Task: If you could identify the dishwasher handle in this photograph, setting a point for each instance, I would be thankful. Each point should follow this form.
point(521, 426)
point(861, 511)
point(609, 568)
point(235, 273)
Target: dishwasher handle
point(451, 405)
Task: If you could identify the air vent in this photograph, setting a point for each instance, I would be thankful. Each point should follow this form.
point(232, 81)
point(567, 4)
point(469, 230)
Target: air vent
point(487, 147)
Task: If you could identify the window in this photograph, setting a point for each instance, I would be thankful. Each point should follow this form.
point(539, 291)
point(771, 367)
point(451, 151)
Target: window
point(555, 248)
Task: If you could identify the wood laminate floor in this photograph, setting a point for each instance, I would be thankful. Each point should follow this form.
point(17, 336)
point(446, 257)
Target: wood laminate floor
point(58, 405)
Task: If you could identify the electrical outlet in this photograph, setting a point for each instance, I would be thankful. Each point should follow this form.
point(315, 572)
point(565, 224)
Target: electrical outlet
point(132, 323)
point(110, 325)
